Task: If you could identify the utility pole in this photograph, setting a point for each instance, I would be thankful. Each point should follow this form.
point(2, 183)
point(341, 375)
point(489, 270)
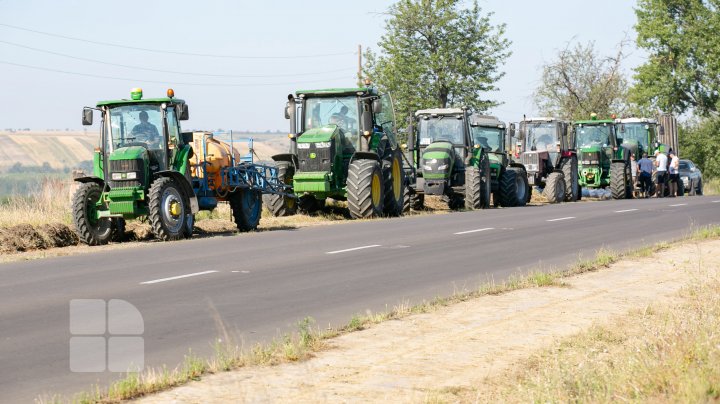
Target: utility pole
point(360, 77)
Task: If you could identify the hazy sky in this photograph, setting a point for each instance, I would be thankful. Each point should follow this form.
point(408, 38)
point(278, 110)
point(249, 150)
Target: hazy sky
point(270, 43)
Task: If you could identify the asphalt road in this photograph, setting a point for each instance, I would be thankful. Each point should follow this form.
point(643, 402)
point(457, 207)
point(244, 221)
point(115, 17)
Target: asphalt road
point(259, 285)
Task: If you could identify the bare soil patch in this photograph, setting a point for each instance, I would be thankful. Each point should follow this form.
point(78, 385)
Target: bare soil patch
point(464, 346)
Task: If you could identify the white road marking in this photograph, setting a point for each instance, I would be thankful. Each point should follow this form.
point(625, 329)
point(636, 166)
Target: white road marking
point(560, 218)
point(474, 231)
point(715, 201)
point(353, 249)
point(679, 204)
point(176, 277)
point(626, 210)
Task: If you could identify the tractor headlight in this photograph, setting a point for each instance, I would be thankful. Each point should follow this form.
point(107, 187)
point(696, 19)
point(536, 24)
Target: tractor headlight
point(442, 167)
point(124, 176)
point(427, 167)
point(303, 145)
point(321, 145)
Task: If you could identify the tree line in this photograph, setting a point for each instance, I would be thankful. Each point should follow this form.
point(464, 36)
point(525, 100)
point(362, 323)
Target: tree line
point(444, 53)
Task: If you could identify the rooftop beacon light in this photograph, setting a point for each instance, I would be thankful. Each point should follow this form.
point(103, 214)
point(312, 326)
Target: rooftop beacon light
point(593, 116)
point(136, 93)
point(170, 93)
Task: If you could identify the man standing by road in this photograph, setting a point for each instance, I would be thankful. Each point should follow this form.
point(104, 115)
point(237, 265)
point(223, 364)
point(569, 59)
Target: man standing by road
point(645, 166)
point(661, 164)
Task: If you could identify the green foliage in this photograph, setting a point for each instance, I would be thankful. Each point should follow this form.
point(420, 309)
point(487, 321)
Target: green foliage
point(683, 68)
point(580, 81)
point(437, 53)
point(700, 142)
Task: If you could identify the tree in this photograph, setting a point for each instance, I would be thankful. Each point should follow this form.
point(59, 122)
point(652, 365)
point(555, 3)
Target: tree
point(436, 53)
point(580, 81)
point(682, 72)
point(699, 142)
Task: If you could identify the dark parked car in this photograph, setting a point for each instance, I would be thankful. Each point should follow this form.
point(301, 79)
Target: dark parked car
point(691, 177)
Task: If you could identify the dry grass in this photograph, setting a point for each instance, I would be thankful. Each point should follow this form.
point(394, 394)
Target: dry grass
point(309, 340)
point(49, 203)
point(712, 187)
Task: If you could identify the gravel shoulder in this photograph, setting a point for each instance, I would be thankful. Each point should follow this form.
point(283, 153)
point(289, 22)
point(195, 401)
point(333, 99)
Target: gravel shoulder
point(461, 346)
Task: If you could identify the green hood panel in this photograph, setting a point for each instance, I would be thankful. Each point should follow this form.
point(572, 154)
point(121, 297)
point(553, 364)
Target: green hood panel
point(129, 153)
point(323, 134)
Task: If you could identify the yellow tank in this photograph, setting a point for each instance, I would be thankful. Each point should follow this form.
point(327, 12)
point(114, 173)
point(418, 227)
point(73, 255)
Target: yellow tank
point(215, 155)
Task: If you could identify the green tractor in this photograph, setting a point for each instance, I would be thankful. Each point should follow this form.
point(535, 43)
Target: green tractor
point(142, 168)
point(343, 146)
point(547, 150)
point(604, 160)
point(461, 157)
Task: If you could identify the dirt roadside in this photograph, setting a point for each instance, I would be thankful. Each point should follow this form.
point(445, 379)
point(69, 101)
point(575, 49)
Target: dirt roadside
point(464, 345)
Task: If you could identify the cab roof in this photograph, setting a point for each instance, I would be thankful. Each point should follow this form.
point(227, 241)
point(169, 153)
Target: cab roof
point(486, 121)
point(329, 92)
point(440, 111)
point(166, 100)
point(637, 120)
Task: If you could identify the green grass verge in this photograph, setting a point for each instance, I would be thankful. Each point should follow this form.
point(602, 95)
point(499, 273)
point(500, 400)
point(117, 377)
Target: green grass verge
point(308, 339)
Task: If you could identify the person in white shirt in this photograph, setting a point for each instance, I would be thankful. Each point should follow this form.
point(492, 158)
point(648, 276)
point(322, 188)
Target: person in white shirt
point(661, 165)
point(674, 174)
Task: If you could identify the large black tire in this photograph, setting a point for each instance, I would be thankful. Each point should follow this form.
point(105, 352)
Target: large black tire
point(89, 230)
point(169, 210)
point(118, 230)
point(394, 186)
point(246, 206)
point(365, 189)
point(407, 199)
point(280, 205)
point(555, 191)
point(570, 173)
point(513, 187)
point(417, 201)
point(620, 181)
point(477, 186)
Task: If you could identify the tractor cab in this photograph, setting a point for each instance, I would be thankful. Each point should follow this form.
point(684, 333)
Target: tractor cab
point(640, 135)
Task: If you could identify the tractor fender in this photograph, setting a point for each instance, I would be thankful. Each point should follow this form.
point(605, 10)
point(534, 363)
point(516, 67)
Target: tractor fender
point(184, 185)
point(518, 165)
point(89, 179)
point(365, 156)
point(289, 157)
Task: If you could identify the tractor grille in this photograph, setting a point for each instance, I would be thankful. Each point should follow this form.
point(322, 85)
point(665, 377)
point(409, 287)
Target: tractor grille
point(315, 159)
point(531, 161)
point(590, 158)
point(126, 166)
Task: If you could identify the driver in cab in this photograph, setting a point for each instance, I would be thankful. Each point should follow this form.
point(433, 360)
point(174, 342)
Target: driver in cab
point(146, 131)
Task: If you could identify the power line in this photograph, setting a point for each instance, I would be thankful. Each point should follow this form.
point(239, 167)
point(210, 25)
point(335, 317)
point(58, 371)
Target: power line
point(165, 82)
point(167, 71)
point(173, 52)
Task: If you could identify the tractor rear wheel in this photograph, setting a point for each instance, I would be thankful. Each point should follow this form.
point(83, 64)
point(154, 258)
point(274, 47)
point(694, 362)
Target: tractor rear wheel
point(365, 189)
point(394, 186)
point(477, 186)
point(555, 190)
point(246, 206)
point(280, 205)
point(407, 199)
point(90, 229)
point(417, 201)
point(570, 173)
point(169, 210)
point(620, 181)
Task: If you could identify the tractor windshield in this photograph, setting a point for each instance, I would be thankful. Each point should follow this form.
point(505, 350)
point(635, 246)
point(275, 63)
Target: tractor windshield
point(340, 111)
point(593, 135)
point(637, 133)
point(441, 128)
point(136, 125)
point(542, 136)
point(489, 138)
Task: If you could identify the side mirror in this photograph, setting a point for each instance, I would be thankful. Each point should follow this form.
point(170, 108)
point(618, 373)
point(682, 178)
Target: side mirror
point(287, 112)
point(87, 116)
point(377, 106)
point(692, 169)
point(620, 141)
point(184, 112)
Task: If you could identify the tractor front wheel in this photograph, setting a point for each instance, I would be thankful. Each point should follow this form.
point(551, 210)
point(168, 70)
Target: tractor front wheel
point(555, 190)
point(90, 229)
point(246, 206)
point(169, 210)
point(620, 181)
point(365, 189)
point(477, 186)
point(280, 205)
point(394, 186)
point(570, 172)
point(513, 187)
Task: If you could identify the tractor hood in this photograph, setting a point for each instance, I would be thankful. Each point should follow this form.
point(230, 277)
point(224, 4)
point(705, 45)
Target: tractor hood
point(129, 153)
point(323, 134)
point(438, 160)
